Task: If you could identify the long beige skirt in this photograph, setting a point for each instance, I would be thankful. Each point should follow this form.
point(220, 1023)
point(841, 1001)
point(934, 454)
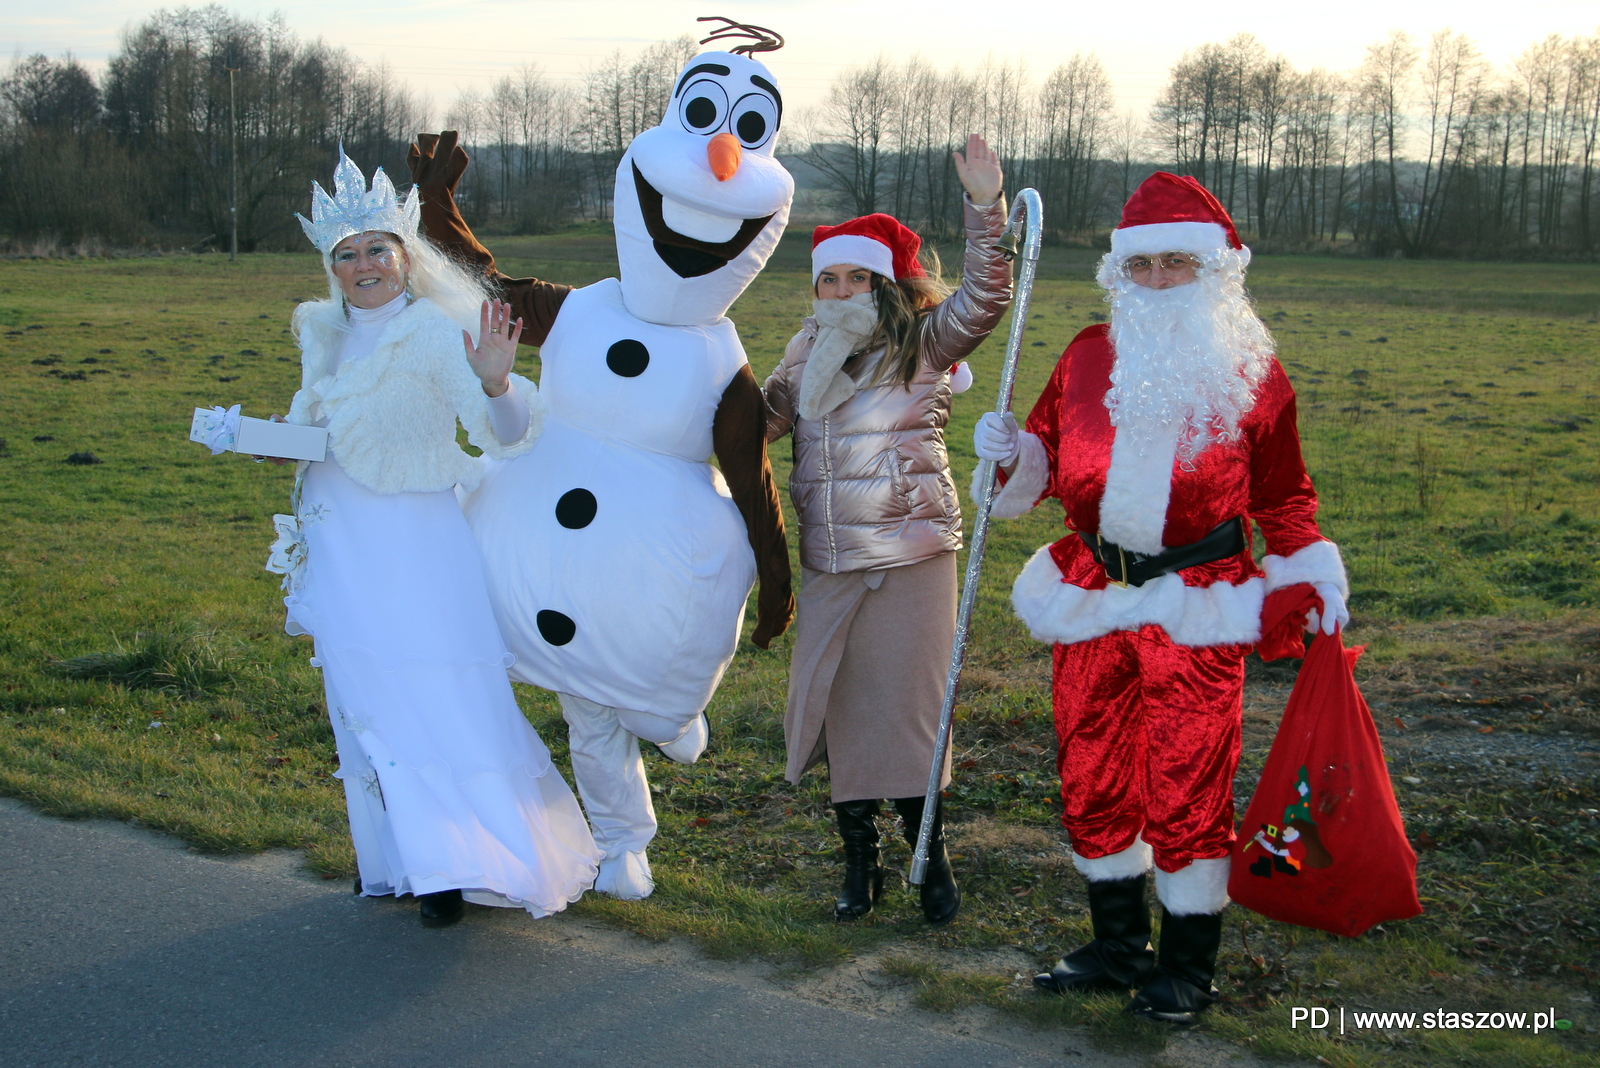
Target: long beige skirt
point(871, 652)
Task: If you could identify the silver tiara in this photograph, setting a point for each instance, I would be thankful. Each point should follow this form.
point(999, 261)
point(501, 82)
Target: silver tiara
point(353, 209)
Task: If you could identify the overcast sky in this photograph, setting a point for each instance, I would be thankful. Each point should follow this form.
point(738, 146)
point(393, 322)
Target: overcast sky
point(443, 46)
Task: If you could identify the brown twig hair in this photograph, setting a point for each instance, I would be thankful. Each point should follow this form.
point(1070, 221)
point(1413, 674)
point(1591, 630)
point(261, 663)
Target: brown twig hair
point(761, 38)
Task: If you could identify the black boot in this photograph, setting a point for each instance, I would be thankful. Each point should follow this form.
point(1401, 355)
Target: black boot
point(863, 870)
point(1185, 964)
point(441, 909)
point(1120, 957)
point(940, 896)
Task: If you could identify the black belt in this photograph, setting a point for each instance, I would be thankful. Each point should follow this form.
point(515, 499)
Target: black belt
point(1128, 568)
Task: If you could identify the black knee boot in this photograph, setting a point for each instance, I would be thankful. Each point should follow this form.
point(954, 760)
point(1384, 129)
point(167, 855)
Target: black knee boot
point(863, 870)
point(1119, 957)
point(1185, 965)
point(941, 897)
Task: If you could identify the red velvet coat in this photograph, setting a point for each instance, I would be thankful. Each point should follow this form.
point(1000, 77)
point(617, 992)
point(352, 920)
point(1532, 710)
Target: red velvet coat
point(1064, 595)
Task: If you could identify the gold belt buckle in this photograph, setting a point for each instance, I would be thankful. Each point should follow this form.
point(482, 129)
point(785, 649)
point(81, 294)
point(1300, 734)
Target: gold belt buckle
point(1122, 558)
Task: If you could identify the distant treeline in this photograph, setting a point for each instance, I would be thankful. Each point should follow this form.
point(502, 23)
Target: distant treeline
point(144, 154)
point(1420, 151)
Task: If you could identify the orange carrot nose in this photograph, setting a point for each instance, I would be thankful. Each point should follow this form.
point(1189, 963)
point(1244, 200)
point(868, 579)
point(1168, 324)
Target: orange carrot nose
point(723, 154)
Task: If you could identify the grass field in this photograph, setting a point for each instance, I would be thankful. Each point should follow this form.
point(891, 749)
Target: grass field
point(1448, 412)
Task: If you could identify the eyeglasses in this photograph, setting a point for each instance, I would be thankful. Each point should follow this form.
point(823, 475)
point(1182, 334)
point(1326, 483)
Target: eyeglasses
point(1169, 262)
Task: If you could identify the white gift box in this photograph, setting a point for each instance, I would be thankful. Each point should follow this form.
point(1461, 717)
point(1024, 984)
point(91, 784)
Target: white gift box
point(225, 430)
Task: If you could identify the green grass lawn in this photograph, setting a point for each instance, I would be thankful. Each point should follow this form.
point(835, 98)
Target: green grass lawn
point(1447, 411)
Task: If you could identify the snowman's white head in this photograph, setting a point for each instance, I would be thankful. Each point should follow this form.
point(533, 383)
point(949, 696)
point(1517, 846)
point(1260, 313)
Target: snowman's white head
point(700, 200)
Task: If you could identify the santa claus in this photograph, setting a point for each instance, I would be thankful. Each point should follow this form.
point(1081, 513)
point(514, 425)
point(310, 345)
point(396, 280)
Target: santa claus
point(1165, 434)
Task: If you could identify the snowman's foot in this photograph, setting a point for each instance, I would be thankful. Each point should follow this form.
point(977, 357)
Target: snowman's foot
point(626, 877)
point(688, 746)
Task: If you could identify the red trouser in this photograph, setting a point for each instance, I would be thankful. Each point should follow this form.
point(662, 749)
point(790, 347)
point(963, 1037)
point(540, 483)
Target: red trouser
point(1149, 740)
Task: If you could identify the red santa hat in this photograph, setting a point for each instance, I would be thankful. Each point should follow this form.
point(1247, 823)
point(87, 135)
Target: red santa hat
point(1173, 213)
point(877, 242)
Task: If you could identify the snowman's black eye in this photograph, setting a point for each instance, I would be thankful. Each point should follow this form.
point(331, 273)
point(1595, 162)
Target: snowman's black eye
point(703, 108)
point(755, 119)
point(700, 113)
point(752, 127)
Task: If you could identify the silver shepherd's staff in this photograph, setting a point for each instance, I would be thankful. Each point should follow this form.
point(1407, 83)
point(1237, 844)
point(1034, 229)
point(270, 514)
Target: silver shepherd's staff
point(1026, 217)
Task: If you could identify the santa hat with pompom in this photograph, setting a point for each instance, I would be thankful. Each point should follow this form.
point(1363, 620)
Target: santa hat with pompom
point(1174, 213)
point(877, 242)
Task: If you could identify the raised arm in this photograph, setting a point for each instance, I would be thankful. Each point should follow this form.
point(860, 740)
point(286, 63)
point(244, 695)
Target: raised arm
point(960, 323)
point(437, 162)
point(738, 435)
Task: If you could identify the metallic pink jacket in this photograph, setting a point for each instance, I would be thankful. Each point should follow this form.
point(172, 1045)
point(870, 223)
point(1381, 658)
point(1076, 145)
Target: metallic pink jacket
point(871, 479)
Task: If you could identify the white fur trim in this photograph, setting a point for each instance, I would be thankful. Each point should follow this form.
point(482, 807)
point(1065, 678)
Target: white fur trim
point(855, 250)
point(1133, 510)
point(1318, 562)
point(1152, 239)
point(1200, 888)
point(391, 416)
point(1196, 616)
point(1135, 860)
point(961, 377)
point(1023, 489)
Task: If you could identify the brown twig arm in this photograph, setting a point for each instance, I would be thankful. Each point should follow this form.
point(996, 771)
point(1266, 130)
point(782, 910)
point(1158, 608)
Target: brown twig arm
point(437, 162)
point(738, 436)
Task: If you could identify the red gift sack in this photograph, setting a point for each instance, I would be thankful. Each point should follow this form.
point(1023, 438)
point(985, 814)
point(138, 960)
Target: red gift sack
point(1322, 844)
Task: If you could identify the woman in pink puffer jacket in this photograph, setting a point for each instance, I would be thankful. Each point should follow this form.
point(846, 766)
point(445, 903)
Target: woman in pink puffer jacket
point(865, 388)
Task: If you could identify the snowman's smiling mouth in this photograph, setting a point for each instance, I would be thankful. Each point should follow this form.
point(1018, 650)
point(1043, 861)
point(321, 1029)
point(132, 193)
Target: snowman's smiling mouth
point(689, 257)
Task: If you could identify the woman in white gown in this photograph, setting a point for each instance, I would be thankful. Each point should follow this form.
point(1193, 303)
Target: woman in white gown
point(451, 793)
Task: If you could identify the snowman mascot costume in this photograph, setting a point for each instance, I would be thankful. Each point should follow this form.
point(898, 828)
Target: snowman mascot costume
point(622, 558)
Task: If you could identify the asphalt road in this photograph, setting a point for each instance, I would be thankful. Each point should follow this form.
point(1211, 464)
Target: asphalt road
point(119, 947)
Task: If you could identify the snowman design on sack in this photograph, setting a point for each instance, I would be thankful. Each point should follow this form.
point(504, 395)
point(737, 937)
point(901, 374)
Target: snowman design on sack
point(619, 559)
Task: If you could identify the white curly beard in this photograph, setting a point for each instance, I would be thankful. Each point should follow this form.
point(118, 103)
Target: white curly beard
point(1188, 358)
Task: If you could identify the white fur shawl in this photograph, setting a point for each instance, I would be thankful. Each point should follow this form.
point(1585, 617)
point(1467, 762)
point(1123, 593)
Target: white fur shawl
point(391, 416)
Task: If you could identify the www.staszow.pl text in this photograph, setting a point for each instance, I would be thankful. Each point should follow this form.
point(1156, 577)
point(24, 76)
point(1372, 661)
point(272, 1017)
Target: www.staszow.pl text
point(1322, 1019)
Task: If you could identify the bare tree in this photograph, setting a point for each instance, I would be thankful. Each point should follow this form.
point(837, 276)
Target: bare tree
point(1189, 110)
point(854, 127)
point(1127, 144)
point(1073, 122)
point(524, 141)
point(1585, 59)
point(1452, 92)
point(620, 101)
point(1384, 78)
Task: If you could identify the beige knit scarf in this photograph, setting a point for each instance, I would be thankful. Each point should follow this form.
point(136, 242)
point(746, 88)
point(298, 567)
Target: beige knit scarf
point(842, 327)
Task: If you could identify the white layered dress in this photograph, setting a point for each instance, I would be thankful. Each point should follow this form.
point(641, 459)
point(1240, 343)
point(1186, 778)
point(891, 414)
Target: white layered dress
point(448, 785)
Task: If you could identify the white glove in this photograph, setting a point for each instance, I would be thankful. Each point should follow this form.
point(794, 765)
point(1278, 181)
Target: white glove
point(997, 438)
point(1334, 613)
